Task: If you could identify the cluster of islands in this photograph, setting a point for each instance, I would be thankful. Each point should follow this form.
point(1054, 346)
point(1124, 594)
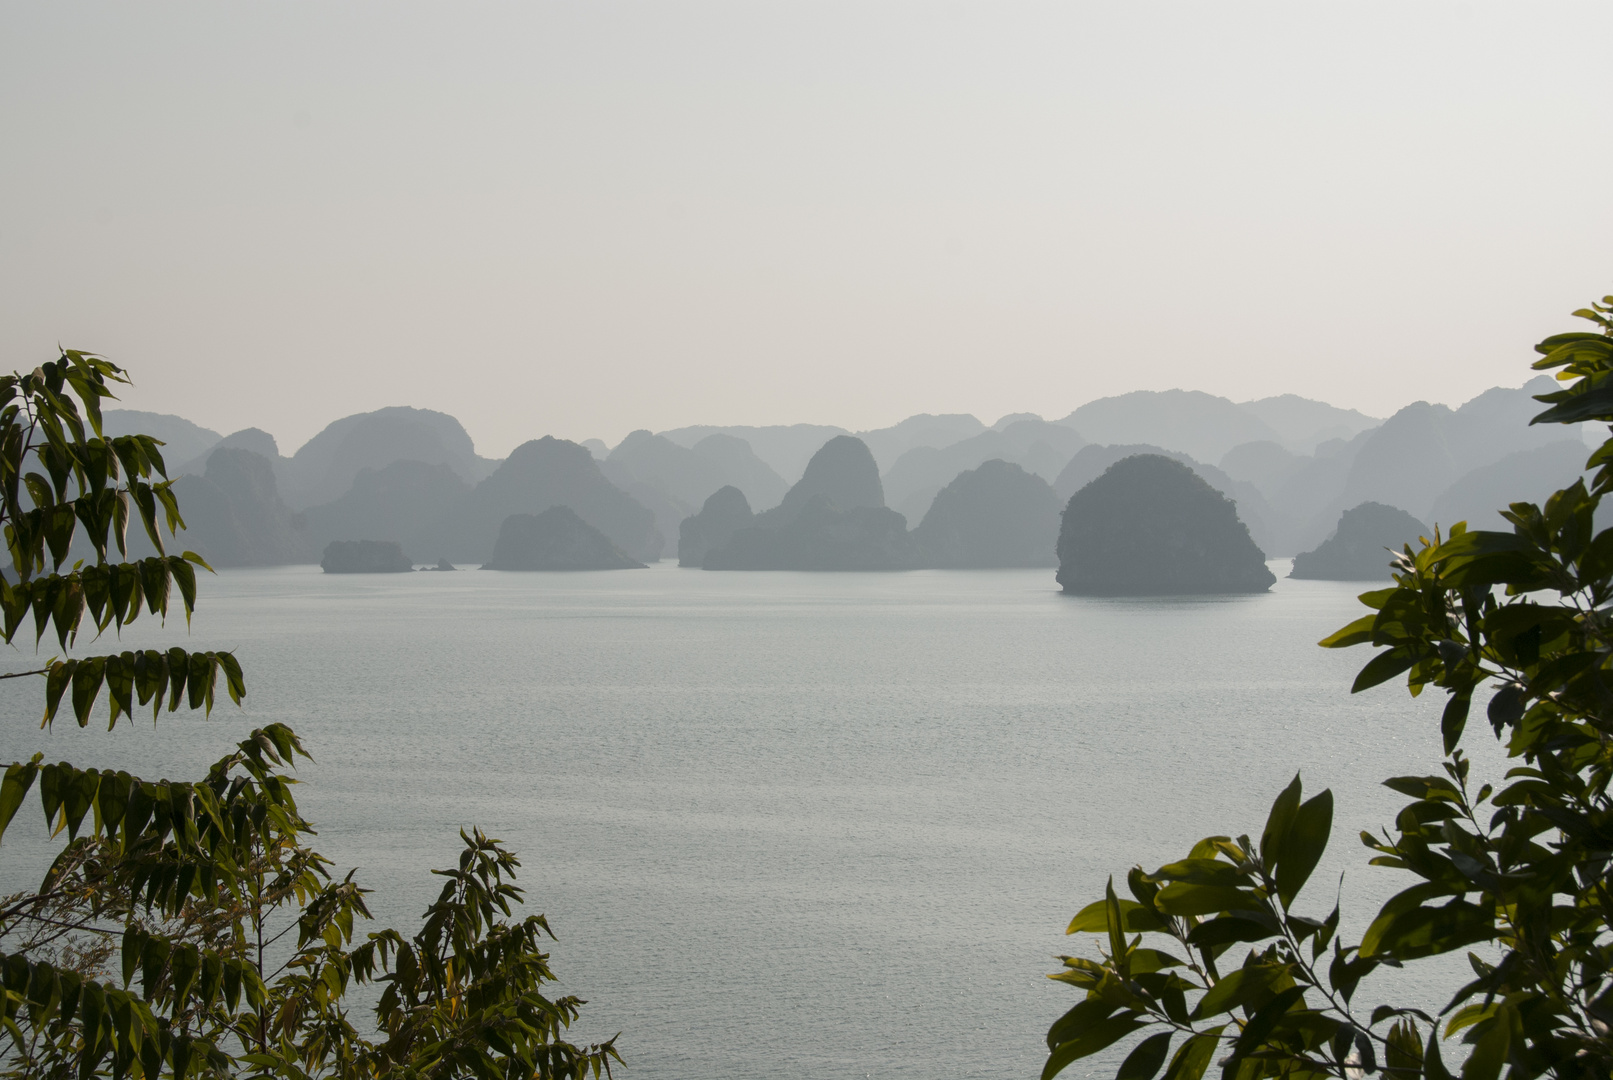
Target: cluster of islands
point(1149, 493)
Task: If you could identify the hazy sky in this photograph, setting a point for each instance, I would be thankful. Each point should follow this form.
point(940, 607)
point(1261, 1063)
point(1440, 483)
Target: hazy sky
point(589, 217)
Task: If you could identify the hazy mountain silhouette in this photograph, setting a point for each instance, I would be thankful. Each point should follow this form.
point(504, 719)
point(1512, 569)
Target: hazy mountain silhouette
point(689, 475)
point(1423, 449)
point(819, 536)
point(1289, 500)
point(998, 515)
point(257, 440)
point(1033, 444)
point(724, 514)
point(1522, 476)
point(1302, 424)
point(365, 557)
point(1407, 462)
point(842, 471)
point(401, 501)
point(183, 441)
point(669, 512)
point(1359, 549)
point(738, 463)
point(1309, 502)
point(1267, 465)
point(924, 429)
point(1093, 461)
point(833, 518)
point(556, 539)
point(234, 515)
point(785, 448)
point(325, 466)
point(1192, 422)
point(1496, 423)
point(1151, 526)
point(537, 475)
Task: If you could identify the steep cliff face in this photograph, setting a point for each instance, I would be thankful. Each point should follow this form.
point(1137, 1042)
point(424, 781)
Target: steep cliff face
point(842, 471)
point(556, 539)
point(998, 515)
point(725, 513)
point(234, 515)
point(1357, 549)
point(1150, 526)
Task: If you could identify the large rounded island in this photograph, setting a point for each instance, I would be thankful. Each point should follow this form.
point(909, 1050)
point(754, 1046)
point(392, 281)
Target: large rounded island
point(1150, 526)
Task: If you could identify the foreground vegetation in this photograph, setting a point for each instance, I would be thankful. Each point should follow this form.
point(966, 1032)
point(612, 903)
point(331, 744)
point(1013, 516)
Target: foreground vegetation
point(187, 928)
point(1517, 864)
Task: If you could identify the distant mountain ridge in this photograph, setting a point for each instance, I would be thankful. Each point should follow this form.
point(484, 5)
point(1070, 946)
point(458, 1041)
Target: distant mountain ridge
point(1038, 447)
point(412, 475)
point(183, 441)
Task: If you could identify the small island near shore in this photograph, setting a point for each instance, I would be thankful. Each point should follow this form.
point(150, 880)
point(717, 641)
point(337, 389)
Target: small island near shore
point(365, 557)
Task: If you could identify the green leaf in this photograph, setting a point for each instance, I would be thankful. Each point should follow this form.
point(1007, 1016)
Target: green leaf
point(1357, 633)
point(1199, 871)
point(1236, 989)
point(1145, 1061)
point(1277, 821)
point(1094, 918)
point(1408, 928)
point(14, 788)
point(1096, 1037)
point(1491, 1051)
point(1454, 719)
point(1088, 1012)
point(1593, 404)
point(1117, 938)
point(1231, 928)
point(1183, 899)
point(1303, 845)
point(1382, 668)
point(1260, 1027)
point(1194, 1055)
point(1433, 1067)
point(1427, 931)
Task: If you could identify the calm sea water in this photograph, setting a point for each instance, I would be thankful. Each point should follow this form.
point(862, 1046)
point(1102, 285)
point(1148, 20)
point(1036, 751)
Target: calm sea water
point(793, 825)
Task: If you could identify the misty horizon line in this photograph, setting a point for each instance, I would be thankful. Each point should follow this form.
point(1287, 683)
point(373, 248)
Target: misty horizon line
point(1004, 420)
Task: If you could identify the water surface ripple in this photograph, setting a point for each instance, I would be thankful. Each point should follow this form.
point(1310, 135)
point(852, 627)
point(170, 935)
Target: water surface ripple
point(793, 825)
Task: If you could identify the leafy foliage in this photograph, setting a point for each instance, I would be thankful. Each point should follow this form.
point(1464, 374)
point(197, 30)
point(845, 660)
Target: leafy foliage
point(1519, 865)
point(187, 928)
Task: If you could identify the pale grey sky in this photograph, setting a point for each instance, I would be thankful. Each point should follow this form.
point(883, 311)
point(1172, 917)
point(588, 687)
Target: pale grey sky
point(588, 217)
